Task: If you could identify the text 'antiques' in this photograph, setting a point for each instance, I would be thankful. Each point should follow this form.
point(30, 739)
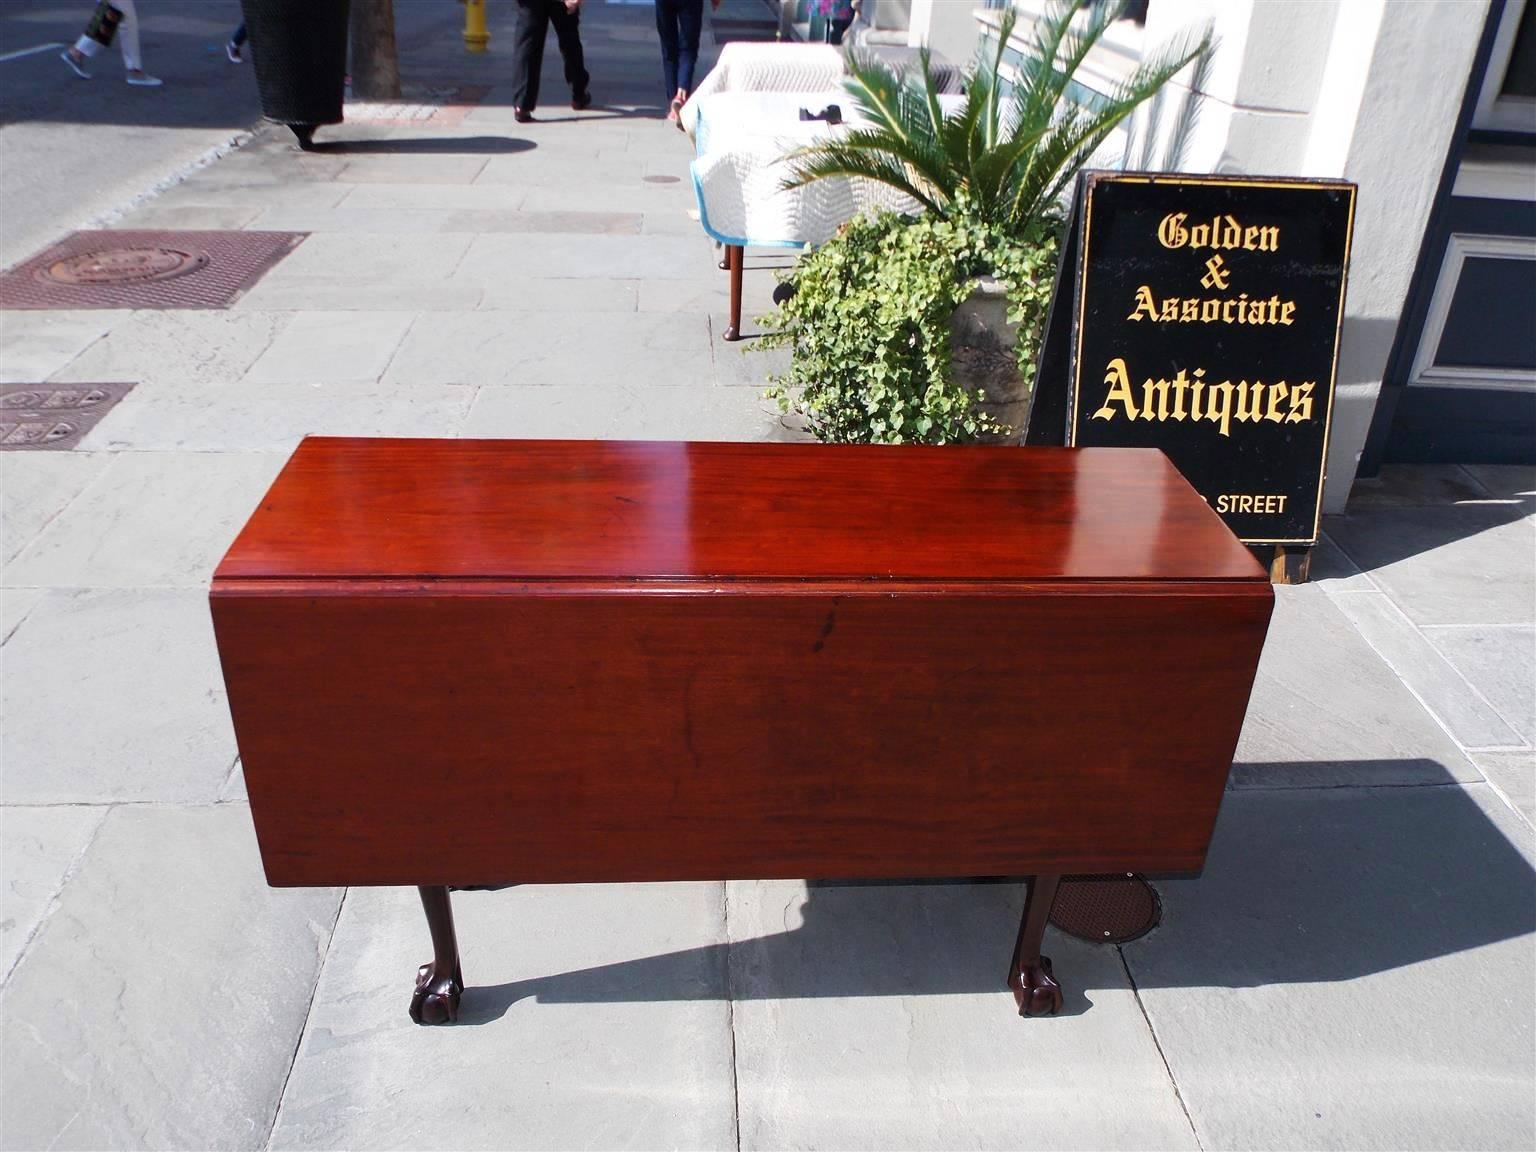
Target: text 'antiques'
point(1205, 321)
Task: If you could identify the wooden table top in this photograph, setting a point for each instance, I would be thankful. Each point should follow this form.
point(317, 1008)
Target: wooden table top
point(627, 511)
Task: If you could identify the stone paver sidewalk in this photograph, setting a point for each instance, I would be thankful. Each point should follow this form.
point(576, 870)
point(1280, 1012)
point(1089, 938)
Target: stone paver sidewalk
point(1354, 968)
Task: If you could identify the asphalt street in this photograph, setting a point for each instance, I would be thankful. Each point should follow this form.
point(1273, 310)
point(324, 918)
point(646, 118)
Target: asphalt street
point(72, 150)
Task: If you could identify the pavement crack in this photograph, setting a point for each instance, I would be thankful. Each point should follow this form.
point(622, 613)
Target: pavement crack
point(1156, 1043)
point(730, 1011)
point(309, 1012)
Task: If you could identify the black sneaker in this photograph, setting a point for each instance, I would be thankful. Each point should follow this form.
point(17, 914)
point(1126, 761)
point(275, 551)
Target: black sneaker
point(581, 101)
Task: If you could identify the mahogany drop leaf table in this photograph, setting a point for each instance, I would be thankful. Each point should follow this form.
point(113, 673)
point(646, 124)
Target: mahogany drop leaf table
point(478, 663)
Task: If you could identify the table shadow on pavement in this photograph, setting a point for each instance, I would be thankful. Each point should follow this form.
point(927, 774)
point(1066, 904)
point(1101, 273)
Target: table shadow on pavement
point(1301, 886)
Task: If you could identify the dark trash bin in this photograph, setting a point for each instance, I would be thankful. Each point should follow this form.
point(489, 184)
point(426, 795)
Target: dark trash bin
point(299, 49)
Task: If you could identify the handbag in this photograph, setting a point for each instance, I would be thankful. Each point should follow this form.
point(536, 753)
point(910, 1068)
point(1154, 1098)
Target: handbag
point(103, 24)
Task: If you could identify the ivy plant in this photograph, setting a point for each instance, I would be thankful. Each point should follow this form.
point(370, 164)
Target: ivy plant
point(869, 324)
point(869, 319)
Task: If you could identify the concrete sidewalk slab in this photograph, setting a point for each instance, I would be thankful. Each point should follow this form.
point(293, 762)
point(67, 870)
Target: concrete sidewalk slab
point(1464, 711)
point(275, 417)
point(35, 487)
point(402, 294)
point(319, 347)
point(406, 169)
point(1515, 482)
point(1327, 710)
point(376, 221)
point(625, 412)
point(1352, 970)
point(160, 1003)
point(594, 1016)
point(178, 346)
point(16, 605)
point(38, 847)
point(1514, 775)
point(113, 696)
point(35, 345)
point(1501, 664)
point(599, 257)
point(555, 348)
point(1458, 564)
point(147, 520)
point(548, 294)
point(367, 259)
point(876, 1016)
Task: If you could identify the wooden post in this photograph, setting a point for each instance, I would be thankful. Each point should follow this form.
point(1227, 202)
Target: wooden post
point(1286, 563)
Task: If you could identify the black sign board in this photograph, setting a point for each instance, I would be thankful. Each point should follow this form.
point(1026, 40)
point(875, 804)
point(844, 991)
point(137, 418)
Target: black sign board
point(1204, 320)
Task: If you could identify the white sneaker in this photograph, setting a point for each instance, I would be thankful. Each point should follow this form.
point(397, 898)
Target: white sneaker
point(232, 50)
point(74, 65)
point(144, 80)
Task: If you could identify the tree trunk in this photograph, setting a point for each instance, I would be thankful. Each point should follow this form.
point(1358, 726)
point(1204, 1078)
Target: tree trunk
point(375, 66)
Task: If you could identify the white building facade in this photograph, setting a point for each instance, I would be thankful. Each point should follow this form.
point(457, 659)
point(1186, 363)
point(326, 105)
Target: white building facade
point(1430, 107)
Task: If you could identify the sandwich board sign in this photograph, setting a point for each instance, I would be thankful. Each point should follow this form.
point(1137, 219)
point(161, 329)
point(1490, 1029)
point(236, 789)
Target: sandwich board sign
point(1201, 315)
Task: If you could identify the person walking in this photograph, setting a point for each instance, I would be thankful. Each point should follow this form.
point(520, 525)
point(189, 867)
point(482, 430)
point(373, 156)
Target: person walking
point(116, 19)
point(533, 20)
point(678, 23)
point(235, 49)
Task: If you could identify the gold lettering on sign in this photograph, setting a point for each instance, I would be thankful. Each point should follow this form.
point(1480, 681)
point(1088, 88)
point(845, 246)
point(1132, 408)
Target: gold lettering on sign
point(1216, 274)
point(1218, 232)
point(1221, 404)
point(1211, 310)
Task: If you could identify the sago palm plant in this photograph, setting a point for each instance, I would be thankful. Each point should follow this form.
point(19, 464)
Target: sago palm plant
point(1003, 158)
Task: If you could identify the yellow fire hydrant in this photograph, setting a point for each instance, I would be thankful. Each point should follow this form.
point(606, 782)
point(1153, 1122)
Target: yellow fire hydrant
point(475, 35)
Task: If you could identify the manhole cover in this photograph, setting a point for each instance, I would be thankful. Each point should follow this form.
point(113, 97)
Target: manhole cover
point(1106, 909)
point(122, 266)
point(660, 179)
point(41, 416)
point(126, 269)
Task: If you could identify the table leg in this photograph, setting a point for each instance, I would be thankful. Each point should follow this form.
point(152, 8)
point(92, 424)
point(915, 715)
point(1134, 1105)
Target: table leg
point(438, 984)
point(734, 253)
point(1029, 975)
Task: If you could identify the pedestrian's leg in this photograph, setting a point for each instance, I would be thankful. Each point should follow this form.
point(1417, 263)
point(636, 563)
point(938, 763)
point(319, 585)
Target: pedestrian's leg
point(528, 52)
point(235, 49)
point(568, 34)
point(690, 18)
point(128, 35)
point(99, 32)
point(666, 28)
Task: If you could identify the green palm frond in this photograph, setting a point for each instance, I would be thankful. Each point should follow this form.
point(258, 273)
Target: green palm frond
point(875, 164)
point(1007, 156)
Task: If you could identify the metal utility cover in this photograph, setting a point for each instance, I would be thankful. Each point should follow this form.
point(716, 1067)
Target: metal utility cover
point(1110, 909)
point(36, 417)
point(154, 270)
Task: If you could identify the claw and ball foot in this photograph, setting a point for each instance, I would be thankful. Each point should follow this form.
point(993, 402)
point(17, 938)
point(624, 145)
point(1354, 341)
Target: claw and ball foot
point(1035, 990)
point(436, 999)
point(439, 983)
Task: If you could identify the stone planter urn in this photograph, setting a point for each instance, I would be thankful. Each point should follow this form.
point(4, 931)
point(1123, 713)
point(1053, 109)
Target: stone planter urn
point(984, 360)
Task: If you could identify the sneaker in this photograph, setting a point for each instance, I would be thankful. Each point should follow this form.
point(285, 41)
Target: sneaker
point(232, 50)
point(581, 101)
point(142, 79)
point(75, 65)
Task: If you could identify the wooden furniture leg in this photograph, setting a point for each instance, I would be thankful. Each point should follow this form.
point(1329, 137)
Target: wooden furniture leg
point(1034, 990)
point(734, 253)
point(438, 984)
